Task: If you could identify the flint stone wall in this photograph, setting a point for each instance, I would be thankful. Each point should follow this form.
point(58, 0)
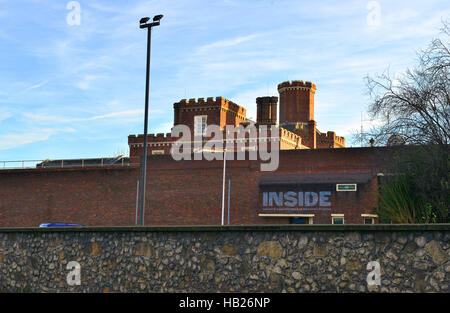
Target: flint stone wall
point(270, 258)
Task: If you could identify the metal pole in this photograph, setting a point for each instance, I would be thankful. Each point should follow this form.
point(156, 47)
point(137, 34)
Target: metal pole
point(229, 185)
point(144, 161)
point(137, 202)
point(223, 185)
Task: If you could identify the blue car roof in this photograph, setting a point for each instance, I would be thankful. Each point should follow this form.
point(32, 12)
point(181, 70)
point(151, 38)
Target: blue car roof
point(59, 225)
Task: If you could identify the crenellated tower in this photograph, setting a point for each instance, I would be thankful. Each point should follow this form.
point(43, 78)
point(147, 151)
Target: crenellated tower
point(297, 127)
point(296, 102)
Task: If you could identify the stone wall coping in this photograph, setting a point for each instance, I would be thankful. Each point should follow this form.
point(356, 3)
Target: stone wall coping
point(214, 228)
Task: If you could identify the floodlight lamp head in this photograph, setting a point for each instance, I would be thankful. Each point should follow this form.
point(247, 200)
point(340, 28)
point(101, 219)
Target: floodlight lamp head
point(157, 17)
point(144, 20)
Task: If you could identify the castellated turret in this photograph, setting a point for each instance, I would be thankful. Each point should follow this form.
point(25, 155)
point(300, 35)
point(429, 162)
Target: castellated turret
point(266, 108)
point(297, 126)
point(296, 102)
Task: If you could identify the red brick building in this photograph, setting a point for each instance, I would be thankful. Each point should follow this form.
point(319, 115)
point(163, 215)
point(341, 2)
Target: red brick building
point(297, 127)
point(313, 184)
point(190, 192)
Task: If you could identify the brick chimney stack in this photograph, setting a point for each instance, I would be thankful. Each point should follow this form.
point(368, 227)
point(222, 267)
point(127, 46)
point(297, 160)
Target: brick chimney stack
point(266, 108)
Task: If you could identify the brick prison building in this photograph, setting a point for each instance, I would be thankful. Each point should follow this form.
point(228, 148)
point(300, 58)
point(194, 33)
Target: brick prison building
point(317, 181)
point(297, 127)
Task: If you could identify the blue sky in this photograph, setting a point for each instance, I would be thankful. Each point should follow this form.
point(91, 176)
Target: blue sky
point(77, 91)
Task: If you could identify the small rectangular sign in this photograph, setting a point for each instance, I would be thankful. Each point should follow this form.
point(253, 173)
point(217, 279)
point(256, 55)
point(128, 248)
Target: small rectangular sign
point(345, 187)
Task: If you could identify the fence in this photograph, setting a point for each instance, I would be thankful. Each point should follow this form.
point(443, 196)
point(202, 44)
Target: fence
point(24, 164)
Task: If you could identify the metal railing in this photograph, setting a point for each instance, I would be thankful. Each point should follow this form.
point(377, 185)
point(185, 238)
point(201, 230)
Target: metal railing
point(19, 164)
point(68, 163)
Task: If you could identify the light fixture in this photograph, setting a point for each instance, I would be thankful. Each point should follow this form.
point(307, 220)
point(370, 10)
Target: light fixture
point(144, 20)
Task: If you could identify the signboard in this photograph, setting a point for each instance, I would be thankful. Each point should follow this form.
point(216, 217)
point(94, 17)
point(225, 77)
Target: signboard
point(295, 201)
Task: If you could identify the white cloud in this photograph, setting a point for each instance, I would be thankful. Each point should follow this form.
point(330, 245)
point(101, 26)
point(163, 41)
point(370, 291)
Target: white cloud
point(117, 114)
point(87, 79)
point(164, 127)
point(347, 126)
point(398, 77)
point(4, 114)
point(13, 140)
point(247, 99)
point(36, 85)
point(225, 43)
point(44, 118)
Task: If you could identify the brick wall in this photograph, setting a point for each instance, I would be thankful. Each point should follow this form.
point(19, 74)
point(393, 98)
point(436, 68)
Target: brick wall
point(91, 196)
point(184, 192)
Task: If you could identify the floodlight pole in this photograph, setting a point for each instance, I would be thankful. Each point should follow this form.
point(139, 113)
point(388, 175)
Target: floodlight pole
point(223, 185)
point(147, 91)
point(144, 161)
point(229, 195)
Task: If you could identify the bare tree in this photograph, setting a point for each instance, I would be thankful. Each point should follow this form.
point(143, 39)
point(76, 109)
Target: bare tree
point(416, 106)
point(416, 109)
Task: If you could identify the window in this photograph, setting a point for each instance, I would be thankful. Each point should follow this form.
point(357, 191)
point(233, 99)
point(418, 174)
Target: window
point(369, 218)
point(200, 125)
point(293, 218)
point(301, 220)
point(298, 220)
point(337, 219)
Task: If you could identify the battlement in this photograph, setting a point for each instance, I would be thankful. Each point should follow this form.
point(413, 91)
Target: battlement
point(234, 107)
point(201, 101)
point(160, 137)
point(296, 109)
point(211, 101)
point(266, 99)
point(284, 133)
point(296, 83)
point(330, 137)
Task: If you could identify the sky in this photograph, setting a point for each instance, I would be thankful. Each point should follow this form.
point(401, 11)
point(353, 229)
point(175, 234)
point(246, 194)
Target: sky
point(72, 73)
